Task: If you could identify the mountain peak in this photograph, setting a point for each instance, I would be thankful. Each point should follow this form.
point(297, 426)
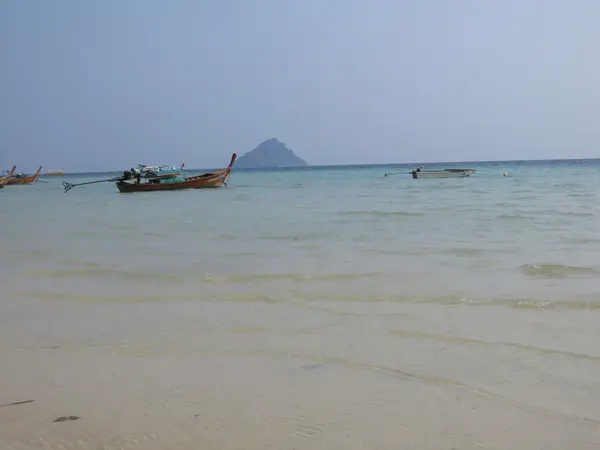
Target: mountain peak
point(270, 154)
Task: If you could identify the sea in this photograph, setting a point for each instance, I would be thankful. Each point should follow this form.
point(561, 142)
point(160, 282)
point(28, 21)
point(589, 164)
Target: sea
point(303, 309)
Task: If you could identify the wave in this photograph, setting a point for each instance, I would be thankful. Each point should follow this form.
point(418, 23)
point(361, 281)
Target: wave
point(239, 254)
point(329, 303)
point(287, 276)
point(471, 341)
point(514, 217)
point(374, 213)
point(391, 251)
point(464, 252)
point(316, 361)
point(100, 271)
point(295, 236)
point(449, 300)
point(504, 204)
point(583, 240)
point(557, 271)
point(83, 298)
point(577, 214)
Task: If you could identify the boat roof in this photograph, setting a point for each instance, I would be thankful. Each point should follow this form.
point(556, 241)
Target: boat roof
point(145, 167)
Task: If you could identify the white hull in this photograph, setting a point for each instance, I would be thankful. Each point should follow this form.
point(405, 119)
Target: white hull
point(446, 173)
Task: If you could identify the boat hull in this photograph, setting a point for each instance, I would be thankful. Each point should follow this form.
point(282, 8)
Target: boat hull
point(447, 173)
point(188, 183)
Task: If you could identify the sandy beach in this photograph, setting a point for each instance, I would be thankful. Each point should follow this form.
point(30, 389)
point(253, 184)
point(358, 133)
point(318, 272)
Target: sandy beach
point(260, 376)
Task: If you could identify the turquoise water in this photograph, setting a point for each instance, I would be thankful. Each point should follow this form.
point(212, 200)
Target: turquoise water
point(329, 308)
point(350, 233)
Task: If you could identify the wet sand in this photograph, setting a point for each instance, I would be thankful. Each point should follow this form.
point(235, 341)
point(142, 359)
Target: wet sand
point(308, 375)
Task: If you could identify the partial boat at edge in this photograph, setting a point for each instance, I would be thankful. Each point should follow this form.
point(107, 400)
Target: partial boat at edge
point(24, 179)
point(4, 180)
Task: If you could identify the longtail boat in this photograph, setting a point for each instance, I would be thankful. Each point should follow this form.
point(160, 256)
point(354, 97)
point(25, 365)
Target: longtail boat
point(136, 181)
point(4, 180)
point(131, 183)
point(24, 179)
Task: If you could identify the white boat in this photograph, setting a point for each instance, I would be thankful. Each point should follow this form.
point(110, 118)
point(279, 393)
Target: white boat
point(443, 173)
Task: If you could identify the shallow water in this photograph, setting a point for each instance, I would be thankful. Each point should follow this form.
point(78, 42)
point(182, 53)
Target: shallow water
point(319, 308)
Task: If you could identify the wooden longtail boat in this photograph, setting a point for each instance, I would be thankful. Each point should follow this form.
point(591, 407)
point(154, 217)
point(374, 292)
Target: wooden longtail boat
point(132, 181)
point(4, 180)
point(24, 179)
point(203, 181)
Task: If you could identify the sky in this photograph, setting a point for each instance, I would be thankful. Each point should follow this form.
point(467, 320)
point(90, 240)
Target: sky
point(104, 85)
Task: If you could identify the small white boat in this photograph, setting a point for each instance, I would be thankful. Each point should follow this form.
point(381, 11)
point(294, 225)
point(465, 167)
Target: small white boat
point(443, 173)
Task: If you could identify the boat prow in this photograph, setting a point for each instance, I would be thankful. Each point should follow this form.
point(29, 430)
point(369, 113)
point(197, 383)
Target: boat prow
point(4, 180)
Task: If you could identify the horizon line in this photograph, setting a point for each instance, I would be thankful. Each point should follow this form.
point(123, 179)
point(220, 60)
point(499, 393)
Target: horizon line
point(309, 166)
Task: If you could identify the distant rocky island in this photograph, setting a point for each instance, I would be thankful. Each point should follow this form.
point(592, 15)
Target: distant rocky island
point(270, 154)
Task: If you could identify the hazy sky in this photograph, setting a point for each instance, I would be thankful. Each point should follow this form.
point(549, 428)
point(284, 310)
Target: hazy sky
point(107, 84)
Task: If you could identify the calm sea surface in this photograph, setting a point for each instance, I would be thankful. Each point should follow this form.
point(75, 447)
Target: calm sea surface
point(305, 309)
